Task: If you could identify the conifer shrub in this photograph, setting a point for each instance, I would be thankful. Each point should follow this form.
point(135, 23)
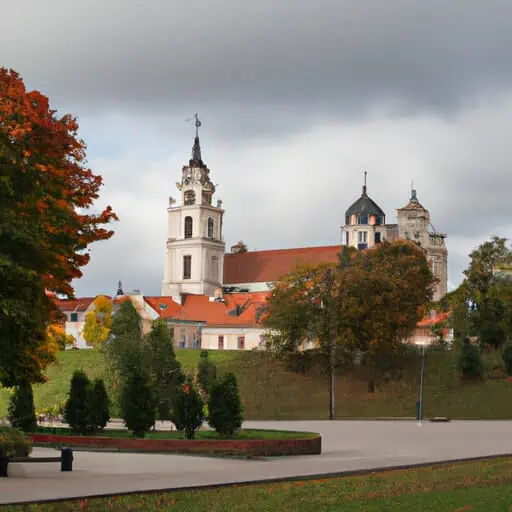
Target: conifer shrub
point(138, 406)
point(188, 411)
point(225, 407)
point(470, 362)
point(98, 405)
point(206, 372)
point(507, 358)
point(76, 410)
point(21, 411)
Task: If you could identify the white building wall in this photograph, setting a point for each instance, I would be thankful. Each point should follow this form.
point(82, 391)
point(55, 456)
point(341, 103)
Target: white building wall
point(210, 337)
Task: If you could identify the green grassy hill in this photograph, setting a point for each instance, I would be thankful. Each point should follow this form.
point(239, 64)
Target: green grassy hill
point(270, 392)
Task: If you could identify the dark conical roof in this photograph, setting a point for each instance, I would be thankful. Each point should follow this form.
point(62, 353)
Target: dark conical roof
point(365, 206)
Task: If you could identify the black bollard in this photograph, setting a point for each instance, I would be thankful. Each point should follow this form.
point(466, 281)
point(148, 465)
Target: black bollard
point(66, 463)
point(4, 462)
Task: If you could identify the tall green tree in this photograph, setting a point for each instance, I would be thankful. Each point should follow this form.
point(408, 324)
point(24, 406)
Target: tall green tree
point(166, 371)
point(21, 408)
point(76, 410)
point(206, 372)
point(225, 406)
point(482, 304)
point(47, 193)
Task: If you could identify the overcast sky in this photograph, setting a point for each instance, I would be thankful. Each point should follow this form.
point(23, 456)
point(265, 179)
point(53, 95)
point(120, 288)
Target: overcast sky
point(297, 99)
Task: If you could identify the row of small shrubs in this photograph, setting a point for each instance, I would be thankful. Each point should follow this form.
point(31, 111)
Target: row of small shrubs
point(87, 409)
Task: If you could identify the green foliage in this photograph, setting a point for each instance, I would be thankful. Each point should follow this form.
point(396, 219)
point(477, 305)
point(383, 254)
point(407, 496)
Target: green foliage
point(507, 358)
point(470, 362)
point(206, 372)
point(76, 410)
point(166, 373)
point(14, 443)
point(494, 365)
point(483, 302)
point(21, 408)
point(225, 406)
point(138, 402)
point(98, 405)
point(126, 321)
point(188, 413)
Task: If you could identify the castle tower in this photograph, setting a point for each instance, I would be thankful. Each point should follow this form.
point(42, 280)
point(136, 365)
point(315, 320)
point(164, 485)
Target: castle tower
point(365, 223)
point(194, 259)
point(414, 224)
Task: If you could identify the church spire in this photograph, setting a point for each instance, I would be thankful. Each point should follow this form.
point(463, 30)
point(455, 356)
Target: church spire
point(196, 148)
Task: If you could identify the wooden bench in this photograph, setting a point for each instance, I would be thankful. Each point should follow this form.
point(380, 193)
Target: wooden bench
point(65, 459)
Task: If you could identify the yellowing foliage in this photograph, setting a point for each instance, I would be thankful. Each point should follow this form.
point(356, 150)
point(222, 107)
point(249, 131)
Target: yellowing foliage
point(98, 322)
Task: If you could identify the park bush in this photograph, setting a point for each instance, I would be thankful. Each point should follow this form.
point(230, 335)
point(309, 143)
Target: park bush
point(21, 408)
point(14, 443)
point(138, 405)
point(188, 411)
point(206, 372)
point(98, 406)
point(76, 410)
point(494, 365)
point(470, 362)
point(507, 358)
point(225, 406)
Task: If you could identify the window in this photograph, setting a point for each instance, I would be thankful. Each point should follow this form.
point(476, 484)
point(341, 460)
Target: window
point(221, 343)
point(377, 238)
point(379, 220)
point(187, 267)
point(347, 238)
point(189, 223)
point(347, 220)
point(73, 317)
point(241, 342)
point(209, 233)
point(363, 219)
point(215, 268)
point(190, 197)
point(362, 240)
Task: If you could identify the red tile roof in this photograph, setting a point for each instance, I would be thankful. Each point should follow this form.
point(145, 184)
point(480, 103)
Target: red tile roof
point(199, 308)
point(429, 321)
point(266, 266)
point(80, 304)
point(164, 306)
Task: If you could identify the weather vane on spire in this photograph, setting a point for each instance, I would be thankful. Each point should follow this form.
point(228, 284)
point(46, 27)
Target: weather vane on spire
point(197, 123)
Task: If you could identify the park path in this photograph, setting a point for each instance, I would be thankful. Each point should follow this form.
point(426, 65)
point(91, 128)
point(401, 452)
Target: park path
point(347, 446)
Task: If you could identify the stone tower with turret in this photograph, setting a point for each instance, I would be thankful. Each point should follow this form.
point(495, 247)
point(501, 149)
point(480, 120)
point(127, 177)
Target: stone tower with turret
point(194, 259)
point(414, 224)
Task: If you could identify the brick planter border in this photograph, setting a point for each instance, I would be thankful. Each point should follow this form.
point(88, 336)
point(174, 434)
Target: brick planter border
point(239, 447)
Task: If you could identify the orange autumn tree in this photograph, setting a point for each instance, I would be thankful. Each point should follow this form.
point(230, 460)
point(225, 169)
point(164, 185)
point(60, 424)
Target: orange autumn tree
point(47, 221)
point(371, 302)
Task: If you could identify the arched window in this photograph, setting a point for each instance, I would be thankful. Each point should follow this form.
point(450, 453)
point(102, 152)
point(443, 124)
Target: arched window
point(188, 227)
point(210, 228)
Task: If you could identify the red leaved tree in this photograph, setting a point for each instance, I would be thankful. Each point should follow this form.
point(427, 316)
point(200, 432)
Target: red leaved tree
point(47, 221)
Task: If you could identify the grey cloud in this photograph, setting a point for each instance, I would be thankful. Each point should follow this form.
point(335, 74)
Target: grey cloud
point(334, 56)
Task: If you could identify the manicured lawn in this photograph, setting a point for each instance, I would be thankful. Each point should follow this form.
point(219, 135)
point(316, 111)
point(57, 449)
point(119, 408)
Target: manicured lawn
point(201, 434)
point(269, 392)
point(472, 486)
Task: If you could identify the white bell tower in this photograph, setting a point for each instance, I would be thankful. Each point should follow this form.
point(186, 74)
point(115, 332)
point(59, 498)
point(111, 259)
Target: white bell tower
point(194, 261)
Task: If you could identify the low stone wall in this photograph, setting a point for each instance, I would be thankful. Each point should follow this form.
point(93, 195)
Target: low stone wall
point(248, 447)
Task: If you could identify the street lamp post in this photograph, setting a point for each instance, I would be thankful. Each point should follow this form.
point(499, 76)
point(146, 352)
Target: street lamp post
point(420, 408)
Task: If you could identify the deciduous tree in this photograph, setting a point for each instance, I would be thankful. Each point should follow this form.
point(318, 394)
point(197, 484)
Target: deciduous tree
point(47, 192)
point(372, 301)
point(98, 322)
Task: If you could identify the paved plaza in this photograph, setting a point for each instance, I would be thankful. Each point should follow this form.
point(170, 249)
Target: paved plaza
point(347, 445)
